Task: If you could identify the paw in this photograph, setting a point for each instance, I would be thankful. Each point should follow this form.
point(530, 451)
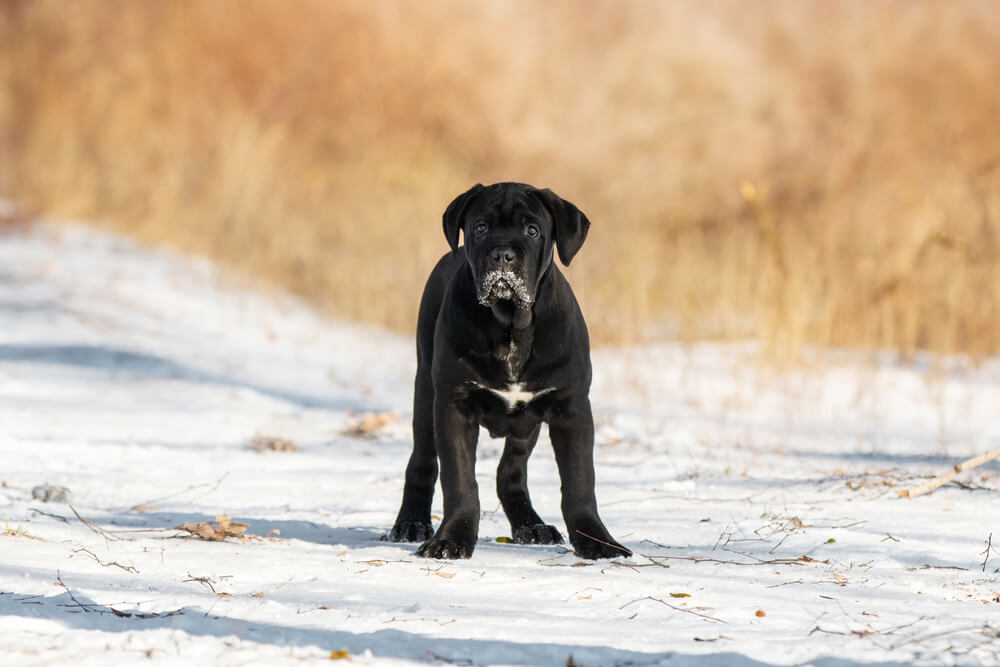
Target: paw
point(593, 547)
point(446, 549)
point(411, 531)
point(537, 533)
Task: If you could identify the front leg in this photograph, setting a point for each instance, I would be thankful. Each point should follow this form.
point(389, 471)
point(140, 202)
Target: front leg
point(572, 434)
point(413, 523)
point(455, 436)
point(512, 488)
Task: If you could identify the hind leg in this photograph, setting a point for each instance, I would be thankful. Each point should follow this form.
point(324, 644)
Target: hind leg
point(512, 488)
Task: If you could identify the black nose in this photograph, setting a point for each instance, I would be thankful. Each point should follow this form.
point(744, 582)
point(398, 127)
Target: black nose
point(502, 255)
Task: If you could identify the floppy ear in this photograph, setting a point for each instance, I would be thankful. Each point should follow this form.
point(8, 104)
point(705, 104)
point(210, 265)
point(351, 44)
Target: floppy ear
point(571, 225)
point(456, 211)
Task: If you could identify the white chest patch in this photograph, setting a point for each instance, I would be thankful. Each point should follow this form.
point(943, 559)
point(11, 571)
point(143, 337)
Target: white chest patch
point(515, 394)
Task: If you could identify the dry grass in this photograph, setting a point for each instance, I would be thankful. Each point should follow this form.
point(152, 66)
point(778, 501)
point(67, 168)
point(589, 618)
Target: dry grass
point(791, 171)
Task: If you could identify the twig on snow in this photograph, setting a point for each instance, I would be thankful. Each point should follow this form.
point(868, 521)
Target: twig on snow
point(54, 516)
point(212, 487)
point(94, 527)
point(102, 563)
point(989, 548)
point(756, 561)
point(869, 630)
point(145, 615)
point(205, 581)
point(102, 609)
point(675, 608)
point(607, 544)
point(450, 661)
point(943, 479)
point(86, 607)
point(920, 639)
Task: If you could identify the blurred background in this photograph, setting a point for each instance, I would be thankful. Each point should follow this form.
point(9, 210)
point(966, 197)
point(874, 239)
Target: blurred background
point(789, 171)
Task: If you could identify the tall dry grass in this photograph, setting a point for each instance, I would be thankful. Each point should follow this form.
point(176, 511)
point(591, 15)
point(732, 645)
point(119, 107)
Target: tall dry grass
point(790, 171)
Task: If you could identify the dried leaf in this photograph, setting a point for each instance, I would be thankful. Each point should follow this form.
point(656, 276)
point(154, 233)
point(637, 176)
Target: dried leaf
point(145, 508)
point(370, 424)
point(265, 443)
point(680, 595)
point(445, 575)
point(505, 540)
point(223, 595)
point(584, 597)
point(760, 613)
point(224, 523)
point(342, 654)
point(202, 530)
point(222, 529)
point(374, 562)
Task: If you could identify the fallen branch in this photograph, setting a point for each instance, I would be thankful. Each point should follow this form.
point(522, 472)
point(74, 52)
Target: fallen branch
point(958, 469)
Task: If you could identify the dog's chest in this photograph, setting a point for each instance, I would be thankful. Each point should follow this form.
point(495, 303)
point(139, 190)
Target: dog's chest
point(515, 395)
point(512, 351)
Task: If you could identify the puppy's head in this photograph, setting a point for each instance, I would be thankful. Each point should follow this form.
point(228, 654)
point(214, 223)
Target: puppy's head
point(510, 231)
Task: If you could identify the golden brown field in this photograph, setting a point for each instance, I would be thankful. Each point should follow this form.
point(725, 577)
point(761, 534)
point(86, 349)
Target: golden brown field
point(788, 171)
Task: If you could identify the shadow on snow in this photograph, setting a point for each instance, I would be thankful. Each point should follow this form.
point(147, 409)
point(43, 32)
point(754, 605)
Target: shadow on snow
point(291, 529)
point(140, 364)
point(77, 611)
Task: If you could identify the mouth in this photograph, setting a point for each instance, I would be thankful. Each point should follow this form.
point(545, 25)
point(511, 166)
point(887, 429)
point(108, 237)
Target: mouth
point(499, 285)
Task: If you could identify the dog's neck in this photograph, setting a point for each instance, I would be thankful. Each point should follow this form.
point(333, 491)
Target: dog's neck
point(511, 316)
point(514, 346)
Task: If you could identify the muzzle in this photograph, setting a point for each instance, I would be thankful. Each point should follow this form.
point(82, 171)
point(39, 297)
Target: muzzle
point(499, 284)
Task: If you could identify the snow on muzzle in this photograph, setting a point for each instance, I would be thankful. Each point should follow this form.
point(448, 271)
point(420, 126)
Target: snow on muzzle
point(504, 284)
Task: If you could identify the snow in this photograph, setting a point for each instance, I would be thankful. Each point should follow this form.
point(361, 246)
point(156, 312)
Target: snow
point(761, 505)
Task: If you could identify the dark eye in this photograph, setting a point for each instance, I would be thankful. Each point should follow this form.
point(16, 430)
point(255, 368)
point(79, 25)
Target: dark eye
point(480, 228)
point(531, 230)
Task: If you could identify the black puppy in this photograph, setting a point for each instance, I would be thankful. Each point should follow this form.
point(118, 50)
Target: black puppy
point(501, 343)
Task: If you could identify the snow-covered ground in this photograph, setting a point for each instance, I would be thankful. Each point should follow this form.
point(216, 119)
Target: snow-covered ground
point(761, 506)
